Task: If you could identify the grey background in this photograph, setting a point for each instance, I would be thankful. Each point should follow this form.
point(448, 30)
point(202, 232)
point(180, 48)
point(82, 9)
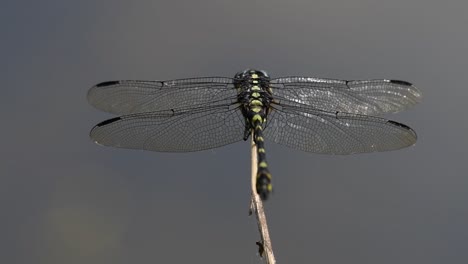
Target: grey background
point(64, 199)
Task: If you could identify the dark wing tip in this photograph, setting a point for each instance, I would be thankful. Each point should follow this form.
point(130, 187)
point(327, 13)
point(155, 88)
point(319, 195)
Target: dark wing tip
point(401, 82)
point(96, 138)
point(399, 124)
point(108, 83)
point(108, 121)
point(408, 129)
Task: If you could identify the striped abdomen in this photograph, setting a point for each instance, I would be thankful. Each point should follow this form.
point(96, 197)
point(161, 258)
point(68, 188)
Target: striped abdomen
point(263, 184)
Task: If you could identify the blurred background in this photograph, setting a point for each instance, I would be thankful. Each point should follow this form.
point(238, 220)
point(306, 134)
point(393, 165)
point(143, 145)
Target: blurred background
point(64, 199)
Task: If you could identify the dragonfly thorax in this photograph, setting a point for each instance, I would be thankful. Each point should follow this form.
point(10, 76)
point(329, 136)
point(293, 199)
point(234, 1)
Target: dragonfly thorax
point(254, 93)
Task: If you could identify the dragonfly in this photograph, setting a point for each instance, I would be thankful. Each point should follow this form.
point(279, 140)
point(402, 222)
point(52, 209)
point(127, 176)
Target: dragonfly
point(318, 115)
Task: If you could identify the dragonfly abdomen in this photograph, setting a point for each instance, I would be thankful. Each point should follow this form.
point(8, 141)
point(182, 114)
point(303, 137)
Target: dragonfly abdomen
point(263, 183)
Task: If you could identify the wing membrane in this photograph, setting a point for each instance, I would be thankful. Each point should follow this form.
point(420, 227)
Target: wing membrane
point(367, 97)
point(171, 131)
point(129, 97)
point(324, 132)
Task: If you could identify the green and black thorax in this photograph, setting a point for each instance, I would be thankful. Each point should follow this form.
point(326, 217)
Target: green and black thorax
point(254, 96)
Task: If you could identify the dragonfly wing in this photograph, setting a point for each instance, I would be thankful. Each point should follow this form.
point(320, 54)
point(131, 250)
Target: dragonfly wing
point(129, 97)
point(325, 132)
point(367, 97)
point(172, 131)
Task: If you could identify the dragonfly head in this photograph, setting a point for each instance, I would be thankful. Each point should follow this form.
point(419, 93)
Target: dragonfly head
point(251, 73)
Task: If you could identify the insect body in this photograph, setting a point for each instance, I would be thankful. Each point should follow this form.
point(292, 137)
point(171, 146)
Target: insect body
point(254, 96)
point(311, 114)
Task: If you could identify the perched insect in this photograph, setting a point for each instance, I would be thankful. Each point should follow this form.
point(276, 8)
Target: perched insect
point(311, 114)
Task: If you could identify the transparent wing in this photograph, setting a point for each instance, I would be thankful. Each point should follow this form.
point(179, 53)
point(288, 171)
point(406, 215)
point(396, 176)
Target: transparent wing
point(368, 97)
point(129, 97)
point(171, 131)
point(324, 132)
